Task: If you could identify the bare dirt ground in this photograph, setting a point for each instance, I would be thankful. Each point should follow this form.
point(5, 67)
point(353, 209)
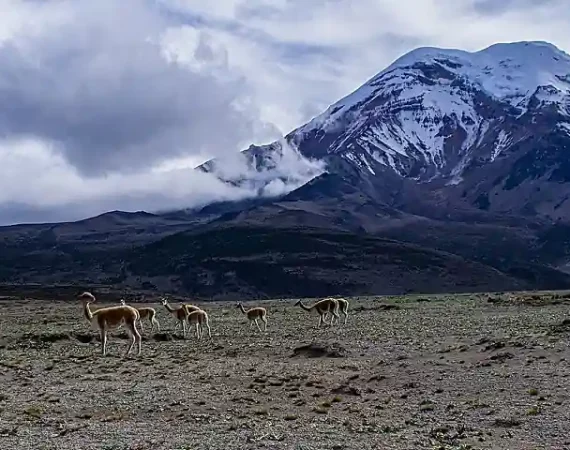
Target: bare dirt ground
point(445, 372)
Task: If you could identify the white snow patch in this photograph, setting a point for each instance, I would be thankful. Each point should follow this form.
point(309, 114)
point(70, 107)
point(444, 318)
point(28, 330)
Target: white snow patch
point(503, 141)
point(483, 128)
point(565, 126)
point(367, 164)
point(457, 171)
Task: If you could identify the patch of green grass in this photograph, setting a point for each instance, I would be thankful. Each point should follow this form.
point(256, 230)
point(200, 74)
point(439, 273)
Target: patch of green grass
point(427, 405)
point(33, 411)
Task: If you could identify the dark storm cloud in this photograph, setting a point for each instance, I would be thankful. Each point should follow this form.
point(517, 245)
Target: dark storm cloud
point(99, 88)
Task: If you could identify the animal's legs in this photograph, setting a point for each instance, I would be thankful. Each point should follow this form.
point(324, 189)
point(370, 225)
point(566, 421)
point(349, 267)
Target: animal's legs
point(103, 341)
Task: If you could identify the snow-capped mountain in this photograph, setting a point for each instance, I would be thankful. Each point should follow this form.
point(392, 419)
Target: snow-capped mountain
point(427, 114)
point(479, 130)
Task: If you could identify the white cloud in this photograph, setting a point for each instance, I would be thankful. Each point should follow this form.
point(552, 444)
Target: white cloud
point(37, 178)
point(107, 105)
point(110, 99)
point(302, 56)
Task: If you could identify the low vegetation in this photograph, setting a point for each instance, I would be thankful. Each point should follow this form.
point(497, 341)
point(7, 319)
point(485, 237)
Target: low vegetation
point(446, 372)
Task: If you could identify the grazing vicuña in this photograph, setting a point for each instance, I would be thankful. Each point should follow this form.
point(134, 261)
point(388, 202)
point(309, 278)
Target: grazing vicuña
point(322, 308)
point(342, 307)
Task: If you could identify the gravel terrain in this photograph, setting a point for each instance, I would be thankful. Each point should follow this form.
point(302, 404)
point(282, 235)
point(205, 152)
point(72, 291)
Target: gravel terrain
point(483, 371)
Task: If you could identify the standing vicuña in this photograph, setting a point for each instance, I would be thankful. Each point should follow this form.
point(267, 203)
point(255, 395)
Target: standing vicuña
point(255, 313)
point(180, 314)
point(343, 308)
point(322, 307)
point(112, 317)
point(189, 309)
point(200, 318)
point(146, 313)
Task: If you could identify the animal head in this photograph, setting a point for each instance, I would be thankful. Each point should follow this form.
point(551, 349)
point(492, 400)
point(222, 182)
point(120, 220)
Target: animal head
point(123, 302)
point(238, 304)
point(86, 297)
point(164, 301)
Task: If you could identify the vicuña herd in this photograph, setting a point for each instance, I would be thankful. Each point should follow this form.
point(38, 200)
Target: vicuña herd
point(111, 317)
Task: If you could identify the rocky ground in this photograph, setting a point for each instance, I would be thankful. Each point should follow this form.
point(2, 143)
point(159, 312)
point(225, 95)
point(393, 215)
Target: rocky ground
point(441, 372)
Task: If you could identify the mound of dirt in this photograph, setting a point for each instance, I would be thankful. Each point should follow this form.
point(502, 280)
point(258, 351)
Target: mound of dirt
point(163, 337)
point(347, 389)
point(315, 350)
point(562, 327)
point(84, 338)
point(44, 337)
point(377, 307)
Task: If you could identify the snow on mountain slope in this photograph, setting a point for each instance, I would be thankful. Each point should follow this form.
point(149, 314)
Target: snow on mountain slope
point(433, 110)
point(509, 72)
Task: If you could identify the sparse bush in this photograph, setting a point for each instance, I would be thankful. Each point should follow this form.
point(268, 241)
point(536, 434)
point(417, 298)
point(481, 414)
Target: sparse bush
point(33, 411)
point(507, 422)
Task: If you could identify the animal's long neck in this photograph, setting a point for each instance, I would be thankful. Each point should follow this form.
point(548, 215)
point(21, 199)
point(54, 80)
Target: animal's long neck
point(87, 311)
point(169, 308)
point(242, 308)
point(306, 308)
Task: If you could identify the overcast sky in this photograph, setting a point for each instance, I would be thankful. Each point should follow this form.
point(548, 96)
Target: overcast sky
point(107, 104)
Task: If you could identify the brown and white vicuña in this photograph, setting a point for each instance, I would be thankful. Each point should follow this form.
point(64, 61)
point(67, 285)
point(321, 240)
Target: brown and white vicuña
point(342, 308)
point(255, 314)
point(322, 308)
point(112, 317)
point(199, 318)
point(146, 312)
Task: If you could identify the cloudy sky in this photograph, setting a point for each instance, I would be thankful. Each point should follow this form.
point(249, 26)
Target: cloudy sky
point(108, 104)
